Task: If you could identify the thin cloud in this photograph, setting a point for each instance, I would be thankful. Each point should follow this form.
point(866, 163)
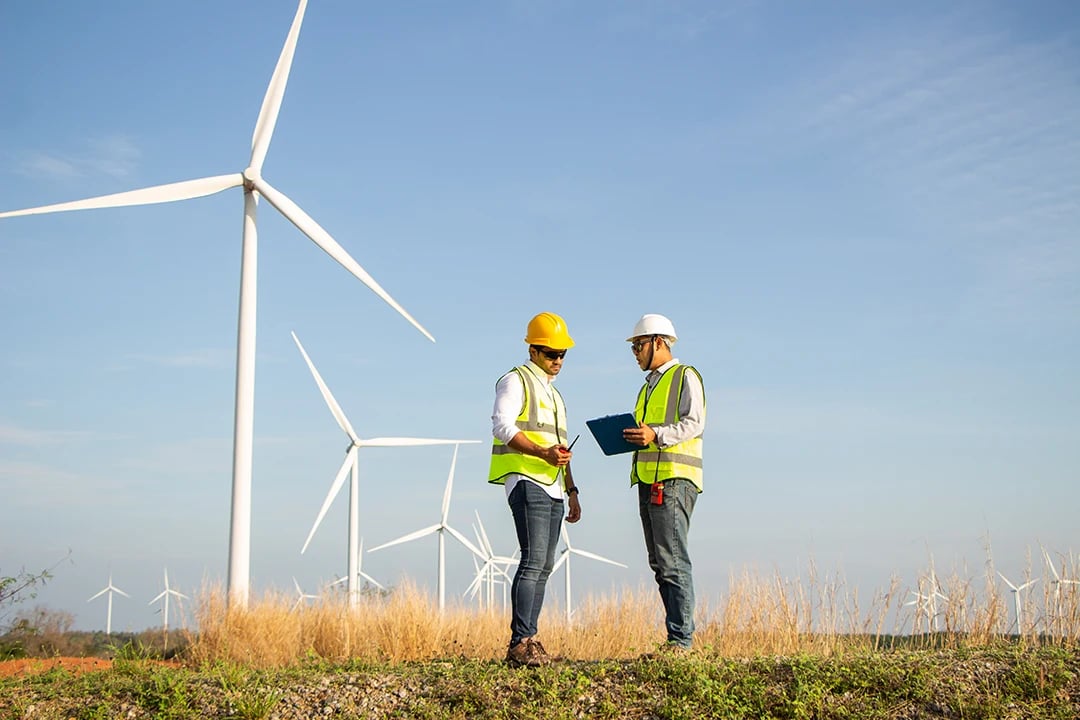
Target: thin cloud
point(26, 437)
point(114, 156)
point(214, 359)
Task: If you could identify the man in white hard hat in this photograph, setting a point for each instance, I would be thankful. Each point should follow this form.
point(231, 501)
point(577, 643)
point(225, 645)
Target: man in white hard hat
point(670, 411)
point(530, 457)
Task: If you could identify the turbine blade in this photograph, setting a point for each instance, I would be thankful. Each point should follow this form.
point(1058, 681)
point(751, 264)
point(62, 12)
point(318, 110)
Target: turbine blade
point(449, 486)
point(146, 196)
point(320, 237)
point(335, 409)
point(96, 596)
point(335, 488)
point(594, 556)
point(412, 442)
point(407, 538)
point(371, 580)
point(1007, 582)
point(271, 105)
point(121, 592)
point(465, 541)
point(562, 558)
point(484, 535)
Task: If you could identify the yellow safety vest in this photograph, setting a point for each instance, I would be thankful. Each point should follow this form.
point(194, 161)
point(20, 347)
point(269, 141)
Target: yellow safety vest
point(656, 464)
point(543, 420)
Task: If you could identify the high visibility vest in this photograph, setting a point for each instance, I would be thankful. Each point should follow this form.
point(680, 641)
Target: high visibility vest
point(653, 464)
point(543, 420)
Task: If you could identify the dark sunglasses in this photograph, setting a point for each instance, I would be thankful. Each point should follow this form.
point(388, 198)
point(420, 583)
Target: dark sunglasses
point(638, 345)
point(550, 354)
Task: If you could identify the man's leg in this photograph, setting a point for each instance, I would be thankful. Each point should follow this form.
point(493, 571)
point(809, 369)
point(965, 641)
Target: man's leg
point(667, 527)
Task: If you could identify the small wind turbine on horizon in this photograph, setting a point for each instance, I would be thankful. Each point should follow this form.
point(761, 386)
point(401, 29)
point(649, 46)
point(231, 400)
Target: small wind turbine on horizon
point(350, 468)
point(1016, 598)
point(440, 529)
point(302, 596)
point(254, 186)
point(564, 559)
point(164, 595)
point(110, 589)
point(359, 570)
point(492, 566)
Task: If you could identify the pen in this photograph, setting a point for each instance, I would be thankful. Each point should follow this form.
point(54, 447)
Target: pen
point(571, 446)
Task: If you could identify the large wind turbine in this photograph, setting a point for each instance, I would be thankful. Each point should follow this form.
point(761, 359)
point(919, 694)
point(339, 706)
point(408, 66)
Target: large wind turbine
point(441, 528)
point(110, 589)
point(564, 559)
point(254, 186)
point(350, 468)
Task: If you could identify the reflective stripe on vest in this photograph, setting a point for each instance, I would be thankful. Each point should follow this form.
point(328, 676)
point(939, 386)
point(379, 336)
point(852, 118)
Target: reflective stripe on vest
point(683, 460)
point(542, 420)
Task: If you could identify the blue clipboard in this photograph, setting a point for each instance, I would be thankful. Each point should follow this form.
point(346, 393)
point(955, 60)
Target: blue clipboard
point(608, 433)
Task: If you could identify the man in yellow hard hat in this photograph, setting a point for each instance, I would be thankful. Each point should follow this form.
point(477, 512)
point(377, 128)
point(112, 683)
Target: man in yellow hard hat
point(670, 411)
point(530, 457)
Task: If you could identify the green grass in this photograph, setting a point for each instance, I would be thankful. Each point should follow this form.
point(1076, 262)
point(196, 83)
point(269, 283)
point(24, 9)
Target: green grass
point(1002, 681)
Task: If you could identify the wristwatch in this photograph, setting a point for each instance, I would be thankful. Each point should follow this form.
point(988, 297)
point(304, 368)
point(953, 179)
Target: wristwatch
point(572, 490)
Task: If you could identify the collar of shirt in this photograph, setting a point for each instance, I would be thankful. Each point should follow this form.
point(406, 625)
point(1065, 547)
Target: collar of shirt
point(654, 377)
point(540, 373)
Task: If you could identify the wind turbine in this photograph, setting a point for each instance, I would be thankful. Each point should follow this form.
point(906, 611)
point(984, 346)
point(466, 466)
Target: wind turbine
point(302, 596)
point(564, 559)
point(493, 564)
point(254, 186)
point(164, 594)
point(360, 570)
point(441, 528)
point(1016, 598)
point(350, 468)
point(110, 589)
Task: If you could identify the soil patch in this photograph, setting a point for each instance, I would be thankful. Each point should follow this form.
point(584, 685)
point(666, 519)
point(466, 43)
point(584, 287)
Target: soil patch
point(34, 666)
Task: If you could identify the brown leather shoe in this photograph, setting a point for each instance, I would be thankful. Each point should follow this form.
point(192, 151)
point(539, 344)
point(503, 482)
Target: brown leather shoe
point(537, 651)
point(522, 655)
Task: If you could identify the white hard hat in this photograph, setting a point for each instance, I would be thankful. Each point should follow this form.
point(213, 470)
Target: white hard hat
point(652, 324)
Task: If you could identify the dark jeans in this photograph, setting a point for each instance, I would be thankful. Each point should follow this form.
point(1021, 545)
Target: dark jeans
point(666, 528)
point(538, 519)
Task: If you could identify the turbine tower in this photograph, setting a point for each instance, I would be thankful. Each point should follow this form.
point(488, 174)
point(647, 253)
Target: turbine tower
point(254, 186)
point(350, 468)
point(110, 589)
point(564, 559)
point(441, 528)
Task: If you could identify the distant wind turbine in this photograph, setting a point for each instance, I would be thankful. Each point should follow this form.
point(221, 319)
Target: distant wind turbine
point(110, 589)
point(493, 565)
point(440, 529)
point(1016, 598)
point(360, 570)
point(164, 595)
point(564, 559)
point(350, 468)
point(302, 596)
point(254, 186)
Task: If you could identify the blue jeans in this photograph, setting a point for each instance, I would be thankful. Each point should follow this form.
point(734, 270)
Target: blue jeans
point(538, 519)
point(666, 529)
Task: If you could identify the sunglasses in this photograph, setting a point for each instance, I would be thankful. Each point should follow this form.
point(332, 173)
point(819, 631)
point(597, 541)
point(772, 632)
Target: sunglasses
point(638, 345)
point(550, 354)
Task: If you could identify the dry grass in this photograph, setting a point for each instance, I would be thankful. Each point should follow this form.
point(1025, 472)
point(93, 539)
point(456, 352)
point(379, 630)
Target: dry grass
point(761, 615)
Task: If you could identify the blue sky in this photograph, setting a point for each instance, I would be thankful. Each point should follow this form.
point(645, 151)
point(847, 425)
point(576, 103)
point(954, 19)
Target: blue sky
point(863, 218)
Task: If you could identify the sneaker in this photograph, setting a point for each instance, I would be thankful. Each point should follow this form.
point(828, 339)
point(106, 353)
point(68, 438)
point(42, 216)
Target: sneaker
point(537, 651)
point(522, 655)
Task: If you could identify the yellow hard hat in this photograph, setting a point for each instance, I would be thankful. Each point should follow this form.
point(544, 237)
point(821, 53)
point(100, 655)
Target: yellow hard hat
point(549, 330)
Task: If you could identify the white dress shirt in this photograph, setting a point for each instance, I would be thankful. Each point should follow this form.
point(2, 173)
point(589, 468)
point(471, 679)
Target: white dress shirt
point(509, 397)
